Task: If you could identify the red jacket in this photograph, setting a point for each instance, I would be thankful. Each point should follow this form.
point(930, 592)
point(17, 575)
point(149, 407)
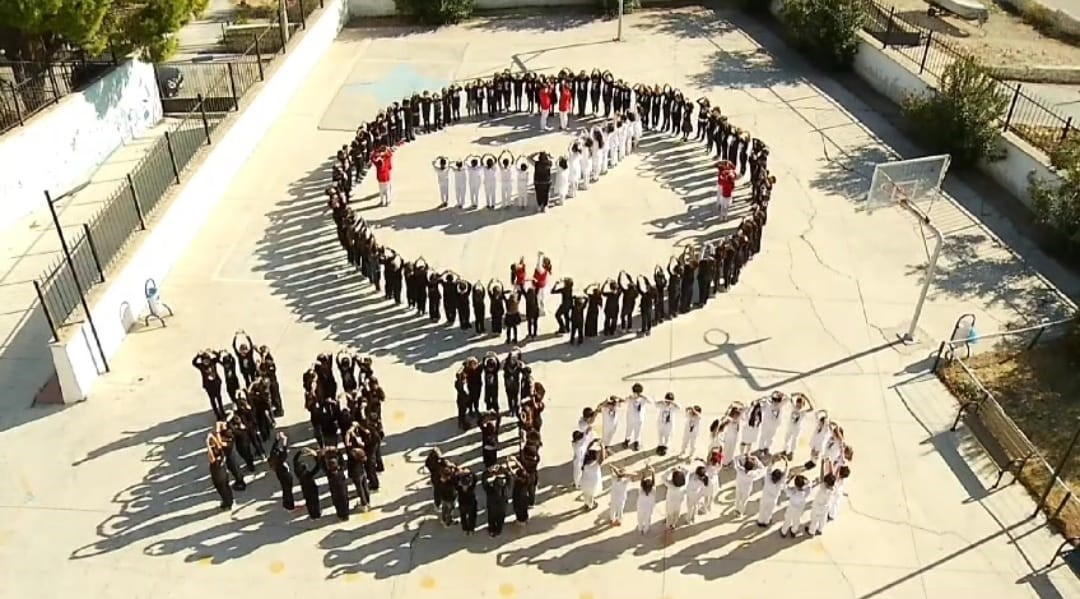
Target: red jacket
point(545, 98)
point(383, 162)
point(727, 182)
point(566, 98)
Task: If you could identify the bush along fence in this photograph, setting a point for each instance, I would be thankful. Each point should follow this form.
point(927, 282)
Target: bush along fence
point(1027, 116)
point(98, 244)
point(27, 88)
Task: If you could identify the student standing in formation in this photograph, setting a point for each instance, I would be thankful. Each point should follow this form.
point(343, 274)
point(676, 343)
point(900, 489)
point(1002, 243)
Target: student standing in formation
point(635, 416)
point(691, 431)
point(506, 178)
point(382, 160)
point(799, 409)
point(676, 494)
point(546, 100)
point(578, 446)
point(523, 178)
point(798, 491)
point(460, 187)
point(620, 487)
point(609, 422)
point(591, 480)
point(475, 169)
point(747, 471)
point(823, 501)
point(770, 491)
point(566, 101)
point(646, 500)
point(665, 421)
point(772, 414)
point(442, 174)
point(725, 187)
point(697, 492)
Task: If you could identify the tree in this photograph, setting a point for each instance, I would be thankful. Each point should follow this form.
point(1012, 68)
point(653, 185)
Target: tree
point(827, 30)
point(435, 12)
point(1058, 206)
point(38, 30)
point(961, 118)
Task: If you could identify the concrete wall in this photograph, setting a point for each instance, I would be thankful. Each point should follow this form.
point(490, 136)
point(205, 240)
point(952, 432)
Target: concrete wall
point(889, 76)
point(63, 145)
point(120, 299)
point(385, 8)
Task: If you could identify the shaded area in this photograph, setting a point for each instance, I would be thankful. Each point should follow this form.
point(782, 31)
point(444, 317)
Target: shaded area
point(567, 17)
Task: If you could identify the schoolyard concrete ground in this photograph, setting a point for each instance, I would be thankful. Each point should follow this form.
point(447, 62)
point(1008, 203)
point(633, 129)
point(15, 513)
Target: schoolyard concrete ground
point(111, 498)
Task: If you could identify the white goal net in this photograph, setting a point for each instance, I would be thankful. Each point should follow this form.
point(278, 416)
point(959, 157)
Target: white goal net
point(916, 180)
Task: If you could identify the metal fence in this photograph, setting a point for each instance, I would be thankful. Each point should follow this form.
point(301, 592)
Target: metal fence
point(27, 88)
point(1028, 116)
point(210, 90)
point(99, 243)
point(1011, 448)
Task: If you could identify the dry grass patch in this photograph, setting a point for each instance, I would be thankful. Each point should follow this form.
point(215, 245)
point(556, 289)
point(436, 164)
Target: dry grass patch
point(1040, 390)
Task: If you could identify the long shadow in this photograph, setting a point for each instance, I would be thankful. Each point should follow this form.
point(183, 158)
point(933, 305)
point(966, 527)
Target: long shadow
point(568, 17)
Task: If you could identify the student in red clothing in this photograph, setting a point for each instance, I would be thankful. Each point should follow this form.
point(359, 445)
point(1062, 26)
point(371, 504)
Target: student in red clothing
point(382, 160)
point(725, 186)
point(566, 104)
point(546, 93)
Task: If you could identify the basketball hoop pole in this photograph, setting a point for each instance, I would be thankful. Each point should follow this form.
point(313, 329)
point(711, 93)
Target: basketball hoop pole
point(909, 337)
point(618, 35)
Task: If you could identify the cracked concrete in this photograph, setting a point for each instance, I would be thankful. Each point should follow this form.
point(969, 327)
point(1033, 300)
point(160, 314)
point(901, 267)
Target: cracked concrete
point(120, 506)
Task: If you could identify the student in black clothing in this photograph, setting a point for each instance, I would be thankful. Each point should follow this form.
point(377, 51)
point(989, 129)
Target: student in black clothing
point(629, 300)
point(478, 296)
point(491, 382)
point(577, 319)
point(447, 492)
point(474, 377)
point(279, 463)
point(335, 476)
point(532, 312)
point(306, 466)
point(498, 306)
point(512, 380)
point(466, 497)
point(206, 363)
point(434, 295)
point(495, 487)
point(541, 162)
point(448, 280)
point(565, 289)
point(464, 292)
point(594, 298)
point(611, 307)
point(462, 399)
point(521, 491)
point(660, 280)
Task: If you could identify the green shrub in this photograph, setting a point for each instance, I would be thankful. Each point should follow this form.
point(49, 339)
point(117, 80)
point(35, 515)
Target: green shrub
point(961, 118)
point(435, 12)
point(1058, 205)
point(827, 30)
point(611, 7)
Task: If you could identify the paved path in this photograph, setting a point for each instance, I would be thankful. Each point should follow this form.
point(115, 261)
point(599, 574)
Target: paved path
point(118, 503)
point(28, 249)
point(203, 35)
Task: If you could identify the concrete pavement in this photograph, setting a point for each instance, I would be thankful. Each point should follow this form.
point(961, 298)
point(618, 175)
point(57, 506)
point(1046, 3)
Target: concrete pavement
point(113, 500)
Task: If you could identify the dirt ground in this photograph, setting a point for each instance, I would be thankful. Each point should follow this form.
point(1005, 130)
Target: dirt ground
point(1004, 39)
point(1040, 390)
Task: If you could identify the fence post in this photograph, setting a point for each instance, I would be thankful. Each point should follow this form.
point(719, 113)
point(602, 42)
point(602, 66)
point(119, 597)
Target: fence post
point(232, 85)
point(205, 123)
point(1065, 131)
point(926, 52)
point(56, 90)
point(15, 101)
point(172, 157)
point(258, 57)
point(135, 198)
point(303, 19)
point(45, 309)
point(888, 28)
point(1012, 107)
point(1057, 471)
point(93, 251)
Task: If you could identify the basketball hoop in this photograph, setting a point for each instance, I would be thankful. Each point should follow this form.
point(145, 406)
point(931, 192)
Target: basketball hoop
point(907, 183)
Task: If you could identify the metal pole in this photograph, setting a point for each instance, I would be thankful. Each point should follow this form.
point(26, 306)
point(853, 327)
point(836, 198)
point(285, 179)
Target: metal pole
point(56, 89)
point(258, 57)
point(283, 24)
point(93, 251)
point(172, 157)
point(135, 198)
point(1012, 107)
point(1065, 131)
point(205, 123)
point(232, 85)
point(618, 35)
point(303, 19)
point(909, 337)
point(926, 52)
point(45, 309)
point(15, 101)
point(1057, 471)
point(75, 275)
point(888, 28)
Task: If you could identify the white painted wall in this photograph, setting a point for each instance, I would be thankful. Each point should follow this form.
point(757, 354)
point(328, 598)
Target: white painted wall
point(885, 72)
point(62, 146)
point(385, 8)
point(165, 242)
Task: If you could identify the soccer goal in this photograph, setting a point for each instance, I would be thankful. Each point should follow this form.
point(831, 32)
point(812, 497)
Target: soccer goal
point(911, 185)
